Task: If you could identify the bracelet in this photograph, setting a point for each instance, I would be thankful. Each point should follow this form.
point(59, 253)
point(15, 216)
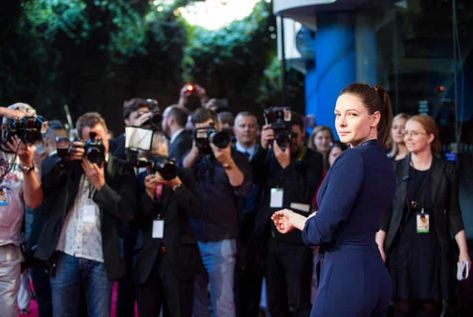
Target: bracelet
point(26, 169)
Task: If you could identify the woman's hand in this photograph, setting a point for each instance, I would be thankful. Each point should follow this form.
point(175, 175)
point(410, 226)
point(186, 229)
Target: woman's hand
point(464, 258)
point(286, 220)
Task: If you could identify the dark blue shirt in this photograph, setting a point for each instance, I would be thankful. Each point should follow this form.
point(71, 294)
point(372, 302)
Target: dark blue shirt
point(219, 219)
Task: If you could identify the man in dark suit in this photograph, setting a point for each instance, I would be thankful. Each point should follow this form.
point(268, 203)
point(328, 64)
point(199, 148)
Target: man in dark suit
point(86, 196)
point(136, 113)
point(289, 175)
point(174, 121)
point(168, 258)
point(250, 264)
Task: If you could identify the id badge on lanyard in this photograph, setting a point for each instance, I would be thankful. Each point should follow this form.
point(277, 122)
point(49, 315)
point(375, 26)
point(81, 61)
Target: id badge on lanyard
point(422, 222)
point(277, 198)
point(90, 212)
point(158, 228)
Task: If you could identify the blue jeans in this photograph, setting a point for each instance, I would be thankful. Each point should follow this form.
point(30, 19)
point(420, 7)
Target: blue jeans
point(219, 259)
point(74, 274)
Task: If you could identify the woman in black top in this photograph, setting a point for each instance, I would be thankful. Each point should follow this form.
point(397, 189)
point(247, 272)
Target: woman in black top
point(417, 231)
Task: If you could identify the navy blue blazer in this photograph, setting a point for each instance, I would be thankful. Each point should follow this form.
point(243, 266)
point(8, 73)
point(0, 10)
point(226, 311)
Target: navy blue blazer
point(353, 198)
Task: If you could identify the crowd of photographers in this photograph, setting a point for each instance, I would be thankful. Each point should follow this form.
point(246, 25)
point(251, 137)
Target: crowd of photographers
point(176, 209)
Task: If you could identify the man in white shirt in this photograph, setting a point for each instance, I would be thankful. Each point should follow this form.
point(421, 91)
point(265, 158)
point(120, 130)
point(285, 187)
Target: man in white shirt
point(86, 196)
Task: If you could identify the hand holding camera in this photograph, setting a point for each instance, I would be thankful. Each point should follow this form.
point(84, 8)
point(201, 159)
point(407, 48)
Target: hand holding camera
point(267, 136)
point(25, 151)
point(94, 173)
point(283, 156)
point(153, 180)
point(223, 155)
point(93, 149)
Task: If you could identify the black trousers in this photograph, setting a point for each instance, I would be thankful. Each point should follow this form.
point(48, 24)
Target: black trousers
point(249, 277)
point(164, 290)
point(288, 279)
point(40, 277)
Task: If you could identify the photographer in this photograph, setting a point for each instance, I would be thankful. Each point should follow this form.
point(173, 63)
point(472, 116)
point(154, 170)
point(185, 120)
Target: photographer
point(137, 112)
point(192, 97)
point(168, 258)
point(223, 175)
point(19, 187)
point(288, 173)
point(87, 193)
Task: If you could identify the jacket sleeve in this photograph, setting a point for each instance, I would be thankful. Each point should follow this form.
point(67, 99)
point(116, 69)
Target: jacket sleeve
point(344, 184)
point(187, 195)
point(119, 197)
point(455, 218)
point(242, 162)
point(54, 174)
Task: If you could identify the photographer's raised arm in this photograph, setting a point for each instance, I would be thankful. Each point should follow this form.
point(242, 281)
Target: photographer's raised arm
point(10, 113)
point(191, 157)
point(224, 157)
point(32, 191)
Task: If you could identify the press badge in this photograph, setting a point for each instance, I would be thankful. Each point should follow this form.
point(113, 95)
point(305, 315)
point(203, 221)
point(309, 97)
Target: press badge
point(422, 221)
point(90, 212)
point(158, 229)
point(3, 197)
point(276, 200)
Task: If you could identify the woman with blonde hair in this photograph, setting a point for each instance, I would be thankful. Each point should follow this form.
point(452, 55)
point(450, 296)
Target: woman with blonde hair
point(320, 140)
point(398, 147)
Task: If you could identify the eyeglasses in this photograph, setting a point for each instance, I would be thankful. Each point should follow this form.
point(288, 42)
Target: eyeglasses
point(412, 133)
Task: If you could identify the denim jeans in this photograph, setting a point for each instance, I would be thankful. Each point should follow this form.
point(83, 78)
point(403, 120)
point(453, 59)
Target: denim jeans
point(74, 274)
point(219, 259)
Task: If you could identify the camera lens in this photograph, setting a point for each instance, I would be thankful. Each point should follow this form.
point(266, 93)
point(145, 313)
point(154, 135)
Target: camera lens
point(220, 139)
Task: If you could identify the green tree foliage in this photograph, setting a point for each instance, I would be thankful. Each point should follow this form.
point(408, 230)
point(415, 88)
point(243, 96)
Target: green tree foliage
point(230, 61)
point(93, 54)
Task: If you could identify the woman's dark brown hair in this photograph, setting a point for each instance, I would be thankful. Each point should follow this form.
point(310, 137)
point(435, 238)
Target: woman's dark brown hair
point(375, 98)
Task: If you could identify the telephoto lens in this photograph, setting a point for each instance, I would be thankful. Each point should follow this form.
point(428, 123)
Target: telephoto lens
point(220, 139)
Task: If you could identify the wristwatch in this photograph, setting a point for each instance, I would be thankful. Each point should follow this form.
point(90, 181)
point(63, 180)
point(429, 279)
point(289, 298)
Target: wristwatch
point(26, 169)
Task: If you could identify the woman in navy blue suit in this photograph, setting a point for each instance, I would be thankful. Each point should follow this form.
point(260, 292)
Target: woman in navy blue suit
point(352, 199)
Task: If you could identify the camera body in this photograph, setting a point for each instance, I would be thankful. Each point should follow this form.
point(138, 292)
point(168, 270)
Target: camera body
point(94, 149)
point(28, 128)
point(280, 120)
point(154, 122)
point(204, 136)
point(165, 166)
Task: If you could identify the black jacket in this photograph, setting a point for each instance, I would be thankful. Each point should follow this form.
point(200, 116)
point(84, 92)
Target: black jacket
point(180, 145)
point(179, 239)
point(116, 201)
point(444, 190)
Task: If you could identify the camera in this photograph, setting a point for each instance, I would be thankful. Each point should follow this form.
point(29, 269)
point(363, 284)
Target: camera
point(280, 120)
point(165, 166)
point(28, 128)
point(94, 149)
point(204, 136)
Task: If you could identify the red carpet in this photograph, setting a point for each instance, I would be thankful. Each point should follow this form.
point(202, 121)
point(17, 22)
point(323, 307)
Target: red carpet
point(34, 306)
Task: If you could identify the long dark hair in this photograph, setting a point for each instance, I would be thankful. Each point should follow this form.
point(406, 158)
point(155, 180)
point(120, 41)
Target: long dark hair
point(374, 98)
